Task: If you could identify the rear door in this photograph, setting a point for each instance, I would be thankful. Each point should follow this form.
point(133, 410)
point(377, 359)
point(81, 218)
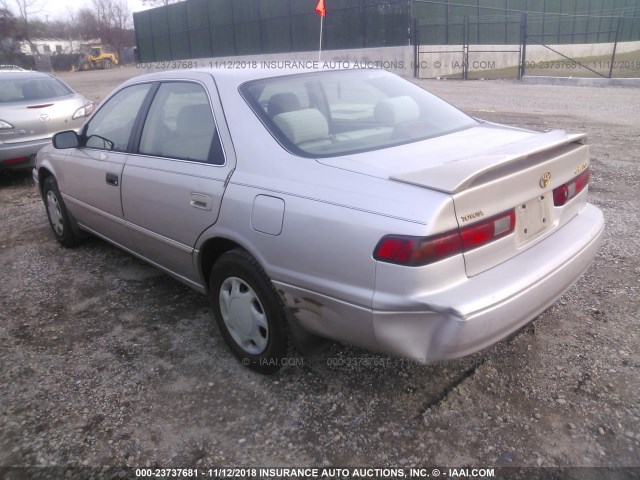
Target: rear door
point(172, 188)
point(90, 177)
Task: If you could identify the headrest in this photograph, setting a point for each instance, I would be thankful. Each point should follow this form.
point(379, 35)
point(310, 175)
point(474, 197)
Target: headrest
point(195, 121)
point(303, 125)
point(396, 110)
point(282, 102)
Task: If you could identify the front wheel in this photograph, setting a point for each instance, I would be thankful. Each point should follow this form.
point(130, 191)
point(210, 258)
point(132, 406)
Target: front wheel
point(249, 313)
point(58, 215)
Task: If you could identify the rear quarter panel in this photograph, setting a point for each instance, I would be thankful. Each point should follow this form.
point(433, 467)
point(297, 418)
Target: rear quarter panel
point(321, 262)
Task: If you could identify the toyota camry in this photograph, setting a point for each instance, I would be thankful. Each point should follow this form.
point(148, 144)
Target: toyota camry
point(347, 205)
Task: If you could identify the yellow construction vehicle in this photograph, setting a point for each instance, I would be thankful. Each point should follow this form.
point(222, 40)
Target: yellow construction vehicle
point(97, 58)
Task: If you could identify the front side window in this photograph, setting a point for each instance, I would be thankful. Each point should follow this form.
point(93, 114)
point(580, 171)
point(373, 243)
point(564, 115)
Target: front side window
point(337, 113)
point(180, 125)
point(111, 126)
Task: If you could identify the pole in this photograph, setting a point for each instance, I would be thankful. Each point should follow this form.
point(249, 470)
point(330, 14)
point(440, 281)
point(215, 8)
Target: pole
point(416, 49)
point(320, 49)
point(615, 45)
point(523, 41)
point(465, 47)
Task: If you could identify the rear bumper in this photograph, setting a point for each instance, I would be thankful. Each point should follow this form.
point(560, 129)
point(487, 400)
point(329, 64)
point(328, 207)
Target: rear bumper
point(490, 306)
point(9, 152)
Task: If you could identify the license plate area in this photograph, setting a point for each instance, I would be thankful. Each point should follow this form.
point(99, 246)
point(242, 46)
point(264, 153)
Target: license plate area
point(533, 217)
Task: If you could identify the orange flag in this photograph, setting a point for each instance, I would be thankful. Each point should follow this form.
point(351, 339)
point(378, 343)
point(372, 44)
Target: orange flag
point(320, 10)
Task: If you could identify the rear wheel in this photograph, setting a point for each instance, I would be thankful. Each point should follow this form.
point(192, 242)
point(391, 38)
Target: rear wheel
point(106, 64)
point(249, 313)
point(57, 214)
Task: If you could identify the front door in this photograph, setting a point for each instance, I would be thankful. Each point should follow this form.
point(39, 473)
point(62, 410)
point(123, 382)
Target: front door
point(172, 188)
point(90, 177)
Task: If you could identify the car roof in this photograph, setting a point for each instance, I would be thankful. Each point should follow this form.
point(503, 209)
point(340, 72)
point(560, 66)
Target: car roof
point(26, 74)
point(11, 68)
point(231, 77)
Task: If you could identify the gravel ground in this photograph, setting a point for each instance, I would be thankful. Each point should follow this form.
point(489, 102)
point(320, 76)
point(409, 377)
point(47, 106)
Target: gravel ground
point(108, 362)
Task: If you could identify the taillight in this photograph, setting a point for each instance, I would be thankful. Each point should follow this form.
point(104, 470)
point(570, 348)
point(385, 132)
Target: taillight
point(419, 251)
point(487, 231)
point(83, 111)
point(566, 192)
point(15, 160)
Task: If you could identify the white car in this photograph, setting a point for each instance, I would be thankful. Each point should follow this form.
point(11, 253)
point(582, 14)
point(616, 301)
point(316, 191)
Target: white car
point(350, 205)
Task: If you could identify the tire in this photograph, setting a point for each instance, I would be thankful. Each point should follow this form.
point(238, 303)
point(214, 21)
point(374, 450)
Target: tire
point(59, 220)
point(249, 312)
point(106, 64)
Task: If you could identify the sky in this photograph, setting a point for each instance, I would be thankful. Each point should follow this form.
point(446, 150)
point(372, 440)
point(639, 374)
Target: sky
point(58, 9)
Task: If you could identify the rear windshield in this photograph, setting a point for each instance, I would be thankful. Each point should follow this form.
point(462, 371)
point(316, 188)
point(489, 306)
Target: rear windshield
point(16, 89)
point(328, 114)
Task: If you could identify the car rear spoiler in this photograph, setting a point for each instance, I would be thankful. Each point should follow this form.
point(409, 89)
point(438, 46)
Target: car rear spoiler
point(457, 175)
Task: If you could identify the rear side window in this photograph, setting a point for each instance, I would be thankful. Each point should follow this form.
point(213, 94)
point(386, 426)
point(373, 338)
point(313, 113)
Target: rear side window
point(30, 89)
point(111, 126)
point(180, 125)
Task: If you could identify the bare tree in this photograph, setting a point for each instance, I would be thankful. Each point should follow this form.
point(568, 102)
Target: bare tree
point(27, 8)
point(8, 24)
point(59, 29)
point(84, 24)
point(8, 34)
point(114, 20)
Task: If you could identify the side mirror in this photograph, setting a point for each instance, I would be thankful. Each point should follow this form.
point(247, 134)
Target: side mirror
point(68, 139)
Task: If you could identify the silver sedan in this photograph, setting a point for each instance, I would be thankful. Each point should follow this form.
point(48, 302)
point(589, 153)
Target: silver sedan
point(34, 106)
point(344, 205)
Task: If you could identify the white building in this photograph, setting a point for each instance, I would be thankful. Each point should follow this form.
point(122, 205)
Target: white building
point(52, 46)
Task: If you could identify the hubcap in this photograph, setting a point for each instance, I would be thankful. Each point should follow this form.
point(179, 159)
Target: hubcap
point(243, 315)
point(55, 215)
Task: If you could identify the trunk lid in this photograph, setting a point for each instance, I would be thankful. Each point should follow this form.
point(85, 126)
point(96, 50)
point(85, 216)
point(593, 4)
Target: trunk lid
point(488, 171)
point(520, 176)
point(40, 119)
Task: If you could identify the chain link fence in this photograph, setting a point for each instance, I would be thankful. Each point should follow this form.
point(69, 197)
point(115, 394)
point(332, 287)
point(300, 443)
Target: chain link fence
point(493, 42)
point(451, 38)
point(601, 47)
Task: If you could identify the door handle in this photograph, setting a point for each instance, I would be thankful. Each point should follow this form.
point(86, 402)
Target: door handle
point(201, 201)
point(112, 179)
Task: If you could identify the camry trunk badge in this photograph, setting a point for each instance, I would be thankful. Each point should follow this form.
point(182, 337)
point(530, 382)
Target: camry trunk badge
point(44, 117)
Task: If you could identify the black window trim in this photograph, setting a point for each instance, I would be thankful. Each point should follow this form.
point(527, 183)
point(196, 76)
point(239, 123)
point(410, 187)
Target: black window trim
point(134, 146)
point(83, 135)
